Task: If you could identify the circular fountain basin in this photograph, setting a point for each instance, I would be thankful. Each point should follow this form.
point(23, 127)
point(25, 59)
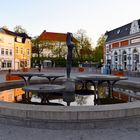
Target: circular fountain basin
point(67, 117)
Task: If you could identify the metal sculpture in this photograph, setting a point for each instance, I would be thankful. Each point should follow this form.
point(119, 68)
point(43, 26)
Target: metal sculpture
point(70, 45)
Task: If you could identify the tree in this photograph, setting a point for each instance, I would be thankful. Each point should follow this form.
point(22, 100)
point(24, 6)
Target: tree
point(60, 51)
point(99, 49)
point(19, 29)
point(37, 47)
point(5, 27)
point(84, 48)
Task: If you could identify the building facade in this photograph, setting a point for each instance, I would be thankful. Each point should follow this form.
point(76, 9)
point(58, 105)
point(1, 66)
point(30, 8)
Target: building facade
point(55, 44)
point(6, 50)
point(15, 50)
point(122, 47)
point(22, 52)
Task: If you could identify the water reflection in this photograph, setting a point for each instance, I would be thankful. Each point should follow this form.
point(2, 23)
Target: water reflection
point(81, 98)
point(12, 95)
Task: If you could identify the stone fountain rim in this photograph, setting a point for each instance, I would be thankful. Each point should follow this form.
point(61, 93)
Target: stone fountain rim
point(66, 113)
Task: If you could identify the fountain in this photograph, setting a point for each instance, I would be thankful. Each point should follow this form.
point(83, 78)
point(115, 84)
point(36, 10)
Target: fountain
point(67, 117)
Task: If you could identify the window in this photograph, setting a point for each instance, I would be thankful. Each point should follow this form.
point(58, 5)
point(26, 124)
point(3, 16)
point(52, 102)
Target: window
point(6, 52)
point(9, 64)
point(28, 63)
point(19, 39)
point(10, 52)
point(23, 63)
point(2, 51)
point(118, 31)
point(28, 51)
point(21, 51)
point(124, 56)
point(135, 55)
point(107, 50)
point(115, 56)
point(4, 64)
point(16, 49)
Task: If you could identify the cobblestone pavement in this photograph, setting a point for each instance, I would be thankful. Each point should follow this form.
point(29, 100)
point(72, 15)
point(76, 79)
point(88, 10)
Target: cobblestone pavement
point(11, 132)
point(8, 132)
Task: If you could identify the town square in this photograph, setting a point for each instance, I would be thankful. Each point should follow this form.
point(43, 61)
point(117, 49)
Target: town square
point(70, 70)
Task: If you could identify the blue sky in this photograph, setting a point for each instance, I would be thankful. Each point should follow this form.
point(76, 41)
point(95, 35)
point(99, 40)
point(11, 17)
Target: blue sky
point(94, 16)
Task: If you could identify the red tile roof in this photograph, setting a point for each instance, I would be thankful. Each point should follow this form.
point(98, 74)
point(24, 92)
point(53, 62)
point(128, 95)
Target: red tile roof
point(51, 36)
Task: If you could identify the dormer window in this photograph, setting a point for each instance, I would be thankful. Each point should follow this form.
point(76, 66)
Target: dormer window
point(19, 39)
point(118, 31)
point(134, 27)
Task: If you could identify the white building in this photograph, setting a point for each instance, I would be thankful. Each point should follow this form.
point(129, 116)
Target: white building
point(122, 48)
point(6, 50)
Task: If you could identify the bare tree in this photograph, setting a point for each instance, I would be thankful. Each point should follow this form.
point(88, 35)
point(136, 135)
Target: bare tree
point(19, 29)
point(84, 48)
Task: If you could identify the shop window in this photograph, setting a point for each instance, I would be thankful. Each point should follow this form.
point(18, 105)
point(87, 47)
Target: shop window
point(9, 64)
point(23, 63)
point(3, 64)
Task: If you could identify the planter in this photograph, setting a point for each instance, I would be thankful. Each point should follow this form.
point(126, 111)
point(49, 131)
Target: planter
point(81, 69)
point(25, 69)
point(118, 73)
point(10, 77)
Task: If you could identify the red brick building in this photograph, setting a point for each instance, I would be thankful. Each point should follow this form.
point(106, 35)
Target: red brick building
point(122, 47)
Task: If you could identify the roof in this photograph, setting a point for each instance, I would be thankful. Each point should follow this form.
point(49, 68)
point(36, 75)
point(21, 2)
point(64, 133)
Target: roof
point(23, 35)
point(51, 36)
point(119, 32)
point(8, 32)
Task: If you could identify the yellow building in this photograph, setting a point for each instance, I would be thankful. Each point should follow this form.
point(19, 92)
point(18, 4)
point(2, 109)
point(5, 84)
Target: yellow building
point(22, 51)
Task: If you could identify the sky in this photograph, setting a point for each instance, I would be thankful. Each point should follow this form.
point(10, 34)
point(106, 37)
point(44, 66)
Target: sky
point(94, 16)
